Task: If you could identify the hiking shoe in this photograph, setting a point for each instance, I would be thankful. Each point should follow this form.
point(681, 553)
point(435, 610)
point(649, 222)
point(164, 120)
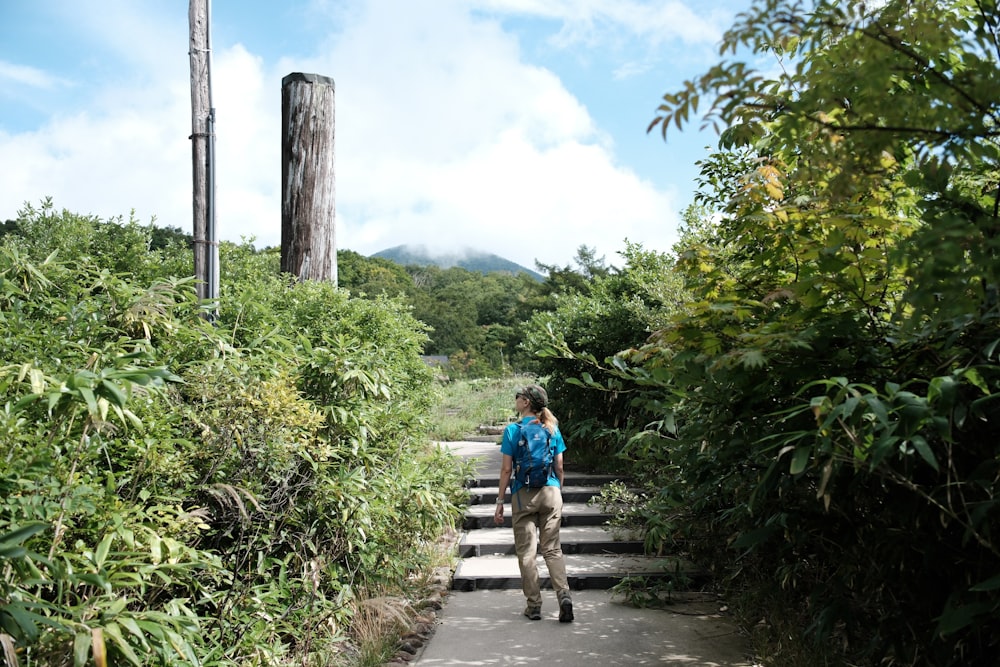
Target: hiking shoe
point(565, 609)
point(533, 613)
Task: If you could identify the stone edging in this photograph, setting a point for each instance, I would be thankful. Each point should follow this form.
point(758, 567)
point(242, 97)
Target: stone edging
point(422, 626)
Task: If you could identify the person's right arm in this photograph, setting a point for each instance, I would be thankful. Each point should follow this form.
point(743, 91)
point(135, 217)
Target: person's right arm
point(506, 468)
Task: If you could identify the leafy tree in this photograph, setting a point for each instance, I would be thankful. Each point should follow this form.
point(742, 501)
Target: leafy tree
point(478, 320)
point(8, 227)
point(448, 305)
point(125, 248)
point(165, 237)
point(621, 310)
point(372, 275)
point(823, 409)
point(569, 279)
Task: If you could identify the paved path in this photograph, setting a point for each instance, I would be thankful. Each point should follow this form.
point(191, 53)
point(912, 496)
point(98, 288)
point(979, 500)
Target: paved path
point(485, 627)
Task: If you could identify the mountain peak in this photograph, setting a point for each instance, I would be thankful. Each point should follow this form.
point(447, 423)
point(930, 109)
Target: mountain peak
point(466, 258)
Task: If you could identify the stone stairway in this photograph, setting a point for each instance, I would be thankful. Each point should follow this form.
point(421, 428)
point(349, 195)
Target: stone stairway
point(596, 558)
point(481, 622)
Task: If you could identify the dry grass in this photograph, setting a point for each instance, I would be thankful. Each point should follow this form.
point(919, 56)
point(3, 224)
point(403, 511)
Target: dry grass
point(381, 617)
point(378, 622)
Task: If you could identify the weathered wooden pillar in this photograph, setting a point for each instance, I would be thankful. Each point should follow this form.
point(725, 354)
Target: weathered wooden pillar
point(199, 55)
point(308, 185)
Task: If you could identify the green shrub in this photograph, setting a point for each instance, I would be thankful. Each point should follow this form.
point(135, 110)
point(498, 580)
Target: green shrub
point(187, 492)
point(819, 422)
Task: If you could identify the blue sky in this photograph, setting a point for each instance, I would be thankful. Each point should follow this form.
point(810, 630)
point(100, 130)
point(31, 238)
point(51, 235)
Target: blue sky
point(511, 126)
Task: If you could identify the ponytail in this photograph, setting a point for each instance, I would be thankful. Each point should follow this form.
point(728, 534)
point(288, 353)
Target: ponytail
point(548, 420)
point(538, 399)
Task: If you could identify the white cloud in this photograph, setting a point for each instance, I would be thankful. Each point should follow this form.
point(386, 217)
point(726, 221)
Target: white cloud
point(102, 165)
point(118, 142)
point(445, 135)
point(470, 145)
point(144, 40)
point(248, 170)
point(28, 76)
point(600, 21)
point(641, 35)
point(523, 202)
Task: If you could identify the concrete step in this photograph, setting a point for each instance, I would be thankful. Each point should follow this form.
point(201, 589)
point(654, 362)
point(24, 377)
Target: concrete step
point(569, 479)
point(574, 514)
point(570, 494)
point(583, 571)
point(575, 540)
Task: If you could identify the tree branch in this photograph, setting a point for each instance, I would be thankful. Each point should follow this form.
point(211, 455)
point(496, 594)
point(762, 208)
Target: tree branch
point(991, 25)
point(897, 45)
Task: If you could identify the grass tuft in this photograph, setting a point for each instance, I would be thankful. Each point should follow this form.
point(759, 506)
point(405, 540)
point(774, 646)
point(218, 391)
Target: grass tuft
point(465, 405)
point(376, 626)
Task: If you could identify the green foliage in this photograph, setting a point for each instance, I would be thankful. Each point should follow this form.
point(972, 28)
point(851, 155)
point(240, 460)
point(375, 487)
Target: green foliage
point(414, 256)
point(180, 492)
point(824, 406)
point(372, 275)
point(478, 321)
point(573, 279)
point(66, 410)
point(818, 419)
point(620, 310)
point(144, 252)
point(475, 320)
point(623, 504)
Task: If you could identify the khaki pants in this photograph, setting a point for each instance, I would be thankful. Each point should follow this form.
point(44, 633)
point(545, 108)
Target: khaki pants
point(537, 514)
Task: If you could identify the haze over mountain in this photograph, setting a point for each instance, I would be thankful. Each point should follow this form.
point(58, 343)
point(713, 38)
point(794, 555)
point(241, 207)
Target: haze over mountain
point(468, 258)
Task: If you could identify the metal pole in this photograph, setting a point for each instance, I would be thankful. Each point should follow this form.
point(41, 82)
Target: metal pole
point(212, 236)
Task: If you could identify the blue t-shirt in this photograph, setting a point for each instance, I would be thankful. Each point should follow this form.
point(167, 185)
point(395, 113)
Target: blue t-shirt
point(508, 446)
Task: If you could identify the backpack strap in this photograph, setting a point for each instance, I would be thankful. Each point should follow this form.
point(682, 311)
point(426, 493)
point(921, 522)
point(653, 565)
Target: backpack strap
point(518, 446)
point(520, 452)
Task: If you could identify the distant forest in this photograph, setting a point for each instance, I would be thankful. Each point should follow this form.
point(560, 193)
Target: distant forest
point(474, 312)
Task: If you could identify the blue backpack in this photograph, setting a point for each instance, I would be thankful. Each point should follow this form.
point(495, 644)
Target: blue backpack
point(534, 455)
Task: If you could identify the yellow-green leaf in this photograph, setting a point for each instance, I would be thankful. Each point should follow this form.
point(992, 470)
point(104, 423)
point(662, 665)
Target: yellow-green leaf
point(799, 460)
point(81, 649)
point(115, 633)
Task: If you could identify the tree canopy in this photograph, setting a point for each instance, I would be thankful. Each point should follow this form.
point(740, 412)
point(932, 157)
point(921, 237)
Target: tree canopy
point(822, 406)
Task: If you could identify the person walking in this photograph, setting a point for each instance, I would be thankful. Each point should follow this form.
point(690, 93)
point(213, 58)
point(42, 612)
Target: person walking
point(536, 513)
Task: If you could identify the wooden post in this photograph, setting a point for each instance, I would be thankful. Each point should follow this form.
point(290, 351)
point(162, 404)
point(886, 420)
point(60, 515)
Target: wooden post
point(308, 236)
point(200, 104)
